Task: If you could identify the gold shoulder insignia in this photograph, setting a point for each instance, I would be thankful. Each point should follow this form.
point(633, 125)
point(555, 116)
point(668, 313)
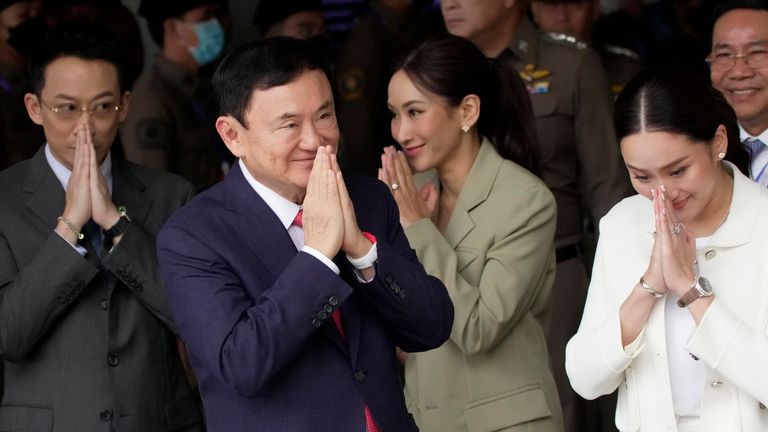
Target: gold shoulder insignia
point(565, 39)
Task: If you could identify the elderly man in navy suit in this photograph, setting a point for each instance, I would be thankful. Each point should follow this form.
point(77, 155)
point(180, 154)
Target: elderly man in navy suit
point(291, 283)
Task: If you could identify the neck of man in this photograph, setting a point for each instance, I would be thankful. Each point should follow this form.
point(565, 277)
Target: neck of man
point(180, 55)
point(494, 41)
point(756, 126)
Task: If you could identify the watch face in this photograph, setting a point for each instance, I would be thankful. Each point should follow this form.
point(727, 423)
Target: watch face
point(704, 287)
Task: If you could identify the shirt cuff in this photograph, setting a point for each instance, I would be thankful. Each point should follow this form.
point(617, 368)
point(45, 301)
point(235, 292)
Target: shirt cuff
point(323, 259)
point(81, 250)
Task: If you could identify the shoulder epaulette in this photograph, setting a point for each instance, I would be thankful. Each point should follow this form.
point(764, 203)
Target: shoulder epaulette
point(565, 40)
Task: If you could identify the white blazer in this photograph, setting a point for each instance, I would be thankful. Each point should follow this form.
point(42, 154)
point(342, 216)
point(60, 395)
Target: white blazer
point(731, 340)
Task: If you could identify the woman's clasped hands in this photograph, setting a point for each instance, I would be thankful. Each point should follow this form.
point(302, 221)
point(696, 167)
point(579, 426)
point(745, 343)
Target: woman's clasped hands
point(414, 204)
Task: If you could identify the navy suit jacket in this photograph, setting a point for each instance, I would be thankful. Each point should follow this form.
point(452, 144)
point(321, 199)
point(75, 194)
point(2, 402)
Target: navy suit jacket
point(256, 314)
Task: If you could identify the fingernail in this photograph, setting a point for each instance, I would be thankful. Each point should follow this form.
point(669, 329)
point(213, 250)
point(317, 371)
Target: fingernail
point(663, 196)
point(663, 188)
point(663, 210)
point(653, 193)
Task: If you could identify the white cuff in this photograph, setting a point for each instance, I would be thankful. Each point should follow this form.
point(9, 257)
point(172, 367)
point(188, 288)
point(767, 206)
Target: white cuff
point(323, 259)
point(366, 260)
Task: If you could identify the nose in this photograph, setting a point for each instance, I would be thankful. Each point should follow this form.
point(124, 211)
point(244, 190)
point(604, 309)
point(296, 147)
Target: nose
point(740, 69)
point(310, 138)
point(400, 131)
point(561, 12)
point(85, 117)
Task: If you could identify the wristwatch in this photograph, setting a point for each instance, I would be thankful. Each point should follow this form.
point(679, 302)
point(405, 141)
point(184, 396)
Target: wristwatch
point(700, 288)
point(120, 227)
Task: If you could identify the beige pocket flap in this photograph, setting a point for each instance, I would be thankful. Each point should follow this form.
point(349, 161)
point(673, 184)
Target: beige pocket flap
point(507, 409)
point(25, 419)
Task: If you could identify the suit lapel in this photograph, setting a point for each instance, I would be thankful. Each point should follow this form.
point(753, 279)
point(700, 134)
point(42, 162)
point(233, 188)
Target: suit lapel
point(129, 192)
point(476, 189)
point(45, 194)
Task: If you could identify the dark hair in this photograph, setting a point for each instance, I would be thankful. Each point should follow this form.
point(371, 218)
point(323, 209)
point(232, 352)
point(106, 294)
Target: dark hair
point(261, 65)
point(452, 67)
point(271, 12)
point(724, 6)
point(83, 39)
point(673, 100)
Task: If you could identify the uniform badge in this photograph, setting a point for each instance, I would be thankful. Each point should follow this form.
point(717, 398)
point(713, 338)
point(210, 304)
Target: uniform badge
point(522, 45)
point(534, 79)
point(351, 84)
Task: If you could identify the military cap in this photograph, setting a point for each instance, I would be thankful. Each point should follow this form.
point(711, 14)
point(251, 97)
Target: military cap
point(270, 12)
point(164, 9)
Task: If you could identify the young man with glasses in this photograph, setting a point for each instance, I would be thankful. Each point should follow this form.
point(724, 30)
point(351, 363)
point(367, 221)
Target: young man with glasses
point(85, 332)
point(739, 69)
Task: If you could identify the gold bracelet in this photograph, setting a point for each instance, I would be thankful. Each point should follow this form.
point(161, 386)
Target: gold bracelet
point(72, 227)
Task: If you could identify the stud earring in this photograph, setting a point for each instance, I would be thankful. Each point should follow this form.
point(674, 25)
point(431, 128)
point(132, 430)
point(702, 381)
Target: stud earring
point(465, 128)
point(721, 155)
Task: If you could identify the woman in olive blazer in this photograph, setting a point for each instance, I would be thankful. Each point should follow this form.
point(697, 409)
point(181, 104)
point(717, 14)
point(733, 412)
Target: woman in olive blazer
point(485, 227)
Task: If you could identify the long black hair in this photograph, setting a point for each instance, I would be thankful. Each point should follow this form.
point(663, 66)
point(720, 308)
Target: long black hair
point(674, 100)
point(452, 67)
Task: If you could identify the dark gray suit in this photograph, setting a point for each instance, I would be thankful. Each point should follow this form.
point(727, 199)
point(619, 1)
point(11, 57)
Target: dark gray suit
point(87, 345)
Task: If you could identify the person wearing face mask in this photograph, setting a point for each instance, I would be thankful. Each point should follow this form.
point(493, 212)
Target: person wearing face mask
point(171, 126)
point(19, 137)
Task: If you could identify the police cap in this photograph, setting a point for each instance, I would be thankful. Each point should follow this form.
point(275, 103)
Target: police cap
point(164, 9)
point(270, 12)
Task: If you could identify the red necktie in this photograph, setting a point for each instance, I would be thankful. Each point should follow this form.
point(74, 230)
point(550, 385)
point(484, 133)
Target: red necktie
point(370, 424)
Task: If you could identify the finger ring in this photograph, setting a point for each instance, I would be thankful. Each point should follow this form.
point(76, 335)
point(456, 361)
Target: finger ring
point(676, 229)
point(395, 186)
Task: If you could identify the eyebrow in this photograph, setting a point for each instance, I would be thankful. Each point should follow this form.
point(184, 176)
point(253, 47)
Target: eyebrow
point(290, 115)
point(669, 165)
point(750, 44)
point(72, 98)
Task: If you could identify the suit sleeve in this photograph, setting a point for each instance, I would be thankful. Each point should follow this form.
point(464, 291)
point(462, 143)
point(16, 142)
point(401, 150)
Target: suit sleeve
point(512, 275)
point(414, 305)
point(34, 297)
point(244, 341)
point(605, 181)
point(595, 359)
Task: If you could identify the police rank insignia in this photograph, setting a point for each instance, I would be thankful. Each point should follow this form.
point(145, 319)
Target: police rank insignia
point(534, 79)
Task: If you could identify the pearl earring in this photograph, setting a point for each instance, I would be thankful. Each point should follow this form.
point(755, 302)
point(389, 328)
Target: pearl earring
point(721, 155)
point(465, 128)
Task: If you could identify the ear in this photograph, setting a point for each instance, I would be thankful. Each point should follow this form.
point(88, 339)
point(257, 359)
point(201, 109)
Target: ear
point(125, 103)
point(469, 110)
point(170, 29)
point(229, 131)
point(720, 142)
point(33, 108)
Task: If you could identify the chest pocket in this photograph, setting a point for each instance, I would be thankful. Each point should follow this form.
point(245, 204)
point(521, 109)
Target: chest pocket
point(545, 112)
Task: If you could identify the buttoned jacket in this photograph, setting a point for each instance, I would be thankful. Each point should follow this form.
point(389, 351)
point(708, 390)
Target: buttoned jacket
point(496, 258)
point(88, 343)
point(731, 340)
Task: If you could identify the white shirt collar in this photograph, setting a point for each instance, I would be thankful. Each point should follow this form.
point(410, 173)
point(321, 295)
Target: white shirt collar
point(63, 173)
point(743, 135)
point(284, 209)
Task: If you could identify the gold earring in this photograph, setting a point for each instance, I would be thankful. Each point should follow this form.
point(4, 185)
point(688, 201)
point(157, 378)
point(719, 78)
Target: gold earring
point(465, 128)
point(721, 155)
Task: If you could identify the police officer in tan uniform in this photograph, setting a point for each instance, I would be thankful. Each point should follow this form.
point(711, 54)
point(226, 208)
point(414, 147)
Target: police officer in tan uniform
point(170, 125)
point(573, 21)
point(363, 69)
point(580, 158)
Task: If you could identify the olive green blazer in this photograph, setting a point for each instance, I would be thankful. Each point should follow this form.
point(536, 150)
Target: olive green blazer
point(497, 260)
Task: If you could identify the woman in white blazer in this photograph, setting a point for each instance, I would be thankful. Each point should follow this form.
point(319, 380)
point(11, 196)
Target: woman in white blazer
point(677, 311)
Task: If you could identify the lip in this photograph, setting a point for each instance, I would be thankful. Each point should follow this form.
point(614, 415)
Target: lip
point(451, 22)
point(679, 205)
point(413, 151)
point(739, 94)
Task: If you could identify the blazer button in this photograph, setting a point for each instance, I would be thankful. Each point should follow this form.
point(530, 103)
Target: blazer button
point(328, 308)
point(761, 405)
point(104, 304)
point(105, 415)
point(333, 301)
point(113, 360)
point(388, 279)
point(138, 287)
point(322, 315)
point(360, 376)
point(710, 254)
point(316, 323)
